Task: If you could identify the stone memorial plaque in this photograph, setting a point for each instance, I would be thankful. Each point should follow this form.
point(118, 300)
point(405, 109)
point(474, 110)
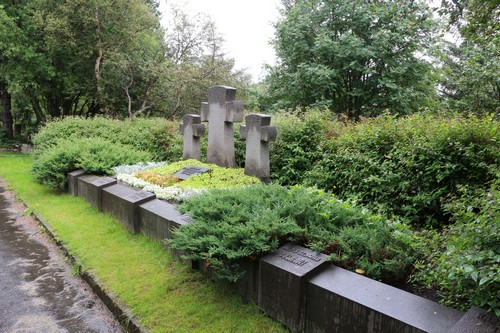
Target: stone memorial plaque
point(283, 278)
point(478, 321)
point(123, 202)
point(90, 188)
point(343, 301)
point(190, 171)
point(158, 218)
point(73, 181)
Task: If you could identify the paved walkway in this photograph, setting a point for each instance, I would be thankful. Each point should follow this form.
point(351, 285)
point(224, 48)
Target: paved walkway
point(38, 292)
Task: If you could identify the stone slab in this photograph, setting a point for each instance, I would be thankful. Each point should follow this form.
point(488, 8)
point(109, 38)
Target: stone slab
point(190, 171)
point(343, 301)
point(122, 202)
point(478, 321)
point(248, 285)
point(73, 181)
point(282, 282)
point(90, 188)
point(158, 218)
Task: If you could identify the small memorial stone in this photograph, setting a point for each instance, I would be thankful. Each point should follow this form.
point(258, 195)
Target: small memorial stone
point(478, 321)
point(283, 278)
point(123, 202)
point(73, 181)
point(190, 171)
point(192, 129)
point(90, 188)
point(221, 112)
point(158, 218)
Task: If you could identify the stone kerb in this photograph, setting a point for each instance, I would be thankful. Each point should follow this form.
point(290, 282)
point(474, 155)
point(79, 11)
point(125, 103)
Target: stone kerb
point(258, 133)
point(90, 188)
point(192, 129)
point(221, 112)
point(73, 181)
point(122, 202)
point(283, 277)
point(343, 301)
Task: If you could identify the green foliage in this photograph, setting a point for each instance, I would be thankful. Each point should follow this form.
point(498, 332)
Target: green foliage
point(408, 166)
point(243, 224)
point(217, 177)
point(354, 57)
point(464, 260)
point(154, 135)
point(94, 155)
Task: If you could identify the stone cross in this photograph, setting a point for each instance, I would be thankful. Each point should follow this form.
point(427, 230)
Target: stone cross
point(258, 133)
point(221, 112)
point(192, 129)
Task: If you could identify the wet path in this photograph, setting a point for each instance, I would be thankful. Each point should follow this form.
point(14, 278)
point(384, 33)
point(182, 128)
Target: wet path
point(38, 292)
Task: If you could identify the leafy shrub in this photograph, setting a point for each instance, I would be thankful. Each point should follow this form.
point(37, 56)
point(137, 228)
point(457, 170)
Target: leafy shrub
point(237, 224)
point(467, 269)
point(409, 166)
point(93, 155)
point(157, 136)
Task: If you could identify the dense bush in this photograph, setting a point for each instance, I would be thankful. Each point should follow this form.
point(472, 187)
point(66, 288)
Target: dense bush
point(238, 224)
point(401, 166)
point(94, 155)
point(463, 261)
point(157, 136)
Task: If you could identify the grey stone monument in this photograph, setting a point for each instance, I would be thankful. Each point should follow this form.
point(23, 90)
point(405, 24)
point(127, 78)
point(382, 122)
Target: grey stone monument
point(192, 129)
point(221, 112)
point(90, 188)
point(258, 132)
point(283, 277)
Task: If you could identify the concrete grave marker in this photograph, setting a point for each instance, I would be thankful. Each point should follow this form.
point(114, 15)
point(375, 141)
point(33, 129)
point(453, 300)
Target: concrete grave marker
point(258, 132)
point(73, 181)
point(478, 321)
point(123, 202)
point(192, 129)
point(190, 171)
point(283, 279)
point(221, 112)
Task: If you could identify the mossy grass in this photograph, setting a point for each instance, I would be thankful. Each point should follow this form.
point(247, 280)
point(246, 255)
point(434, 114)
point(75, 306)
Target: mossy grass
point(217, 177)
point(165, 295)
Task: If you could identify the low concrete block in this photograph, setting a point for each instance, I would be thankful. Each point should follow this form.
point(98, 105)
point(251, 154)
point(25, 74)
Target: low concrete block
point(478, 321)
point(342, 301)
point(122, 202)
point(73, 181)
point(158, 218)
point(283, 279)
point(90, 188)
point(248, 285)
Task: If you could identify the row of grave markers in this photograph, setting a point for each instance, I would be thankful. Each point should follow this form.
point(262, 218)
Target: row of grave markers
point(221, 112)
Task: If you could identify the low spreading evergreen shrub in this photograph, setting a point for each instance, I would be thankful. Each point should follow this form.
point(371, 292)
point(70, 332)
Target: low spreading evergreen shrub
point(240, 224)
point(94, 155)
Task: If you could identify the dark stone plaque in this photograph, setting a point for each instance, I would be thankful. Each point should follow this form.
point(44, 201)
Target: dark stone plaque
point(123, 202)
point(190, 171)
point(283, 277)
point(158, 218)
point(343, 301)
point(478, 321)
point(90, 188)
point(73, 181)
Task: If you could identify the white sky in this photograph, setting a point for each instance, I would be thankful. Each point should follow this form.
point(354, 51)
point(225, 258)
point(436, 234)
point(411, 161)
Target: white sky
point(246, 26)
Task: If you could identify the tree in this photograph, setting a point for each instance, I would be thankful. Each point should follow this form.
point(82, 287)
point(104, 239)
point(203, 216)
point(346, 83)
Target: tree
point(354, 57)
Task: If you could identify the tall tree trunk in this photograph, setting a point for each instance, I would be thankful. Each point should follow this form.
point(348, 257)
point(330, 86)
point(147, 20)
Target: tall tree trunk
point(6, 101)
point(98, 59)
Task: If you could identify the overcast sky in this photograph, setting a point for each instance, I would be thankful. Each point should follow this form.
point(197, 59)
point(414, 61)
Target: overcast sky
point(246, 26)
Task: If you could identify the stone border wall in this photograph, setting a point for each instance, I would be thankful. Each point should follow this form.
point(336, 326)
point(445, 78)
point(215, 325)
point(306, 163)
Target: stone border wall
point(293, 285)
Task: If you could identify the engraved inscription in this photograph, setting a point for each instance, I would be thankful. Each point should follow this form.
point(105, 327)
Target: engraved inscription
point(302, 253)
point(293, 259)
point(189, 171)
point(139, 195)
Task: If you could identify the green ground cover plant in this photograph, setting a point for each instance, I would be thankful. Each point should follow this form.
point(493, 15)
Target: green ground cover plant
point(94, 155)
point(243, 224)
point(163, 294)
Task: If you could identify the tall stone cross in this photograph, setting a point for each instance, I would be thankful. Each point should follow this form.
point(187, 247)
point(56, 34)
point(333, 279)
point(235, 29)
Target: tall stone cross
point(258, 133)
point(192, 129)
point(221, 112)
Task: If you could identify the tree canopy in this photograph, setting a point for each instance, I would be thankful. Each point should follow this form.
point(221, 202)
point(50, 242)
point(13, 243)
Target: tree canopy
point(354, 57)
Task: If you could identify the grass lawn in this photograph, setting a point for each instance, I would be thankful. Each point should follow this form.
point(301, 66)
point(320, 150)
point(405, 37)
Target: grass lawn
point(165, 295)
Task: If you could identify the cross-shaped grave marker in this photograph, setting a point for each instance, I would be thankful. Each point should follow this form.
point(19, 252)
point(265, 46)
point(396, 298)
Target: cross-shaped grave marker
point(258, 133)
point(221, 112)
point(192, 129)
